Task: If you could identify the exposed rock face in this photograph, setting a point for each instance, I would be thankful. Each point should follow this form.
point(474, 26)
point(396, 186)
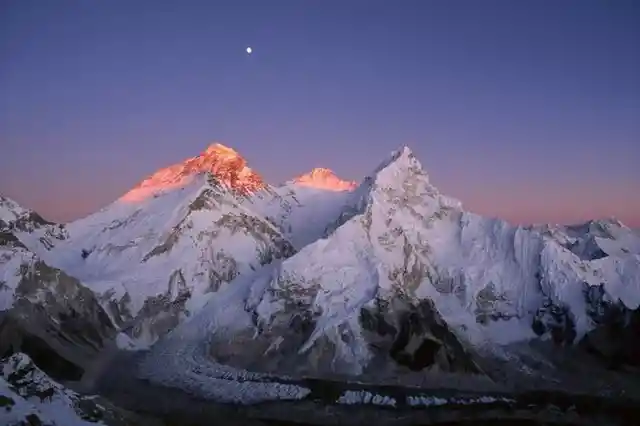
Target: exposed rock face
point(48, 314)
point(415, 336)
point(616, 336)
point(587, 248)
point(8, 239)
point(557, 321)
point(158, 315)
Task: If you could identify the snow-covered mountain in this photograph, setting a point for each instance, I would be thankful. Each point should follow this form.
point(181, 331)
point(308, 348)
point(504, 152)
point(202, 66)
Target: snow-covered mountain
point(304, 207)
point(302, 212)
point(153, 261)
point(156, 254)
point(31, 227)
point(316, 277)
point(405, 281)
point(223, 162)
point(29, 397)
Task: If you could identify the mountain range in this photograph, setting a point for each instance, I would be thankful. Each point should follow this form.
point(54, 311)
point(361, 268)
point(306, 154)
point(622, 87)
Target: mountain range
point(236, 290)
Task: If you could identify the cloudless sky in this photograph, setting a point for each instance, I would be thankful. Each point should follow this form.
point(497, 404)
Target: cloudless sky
point(526, 110)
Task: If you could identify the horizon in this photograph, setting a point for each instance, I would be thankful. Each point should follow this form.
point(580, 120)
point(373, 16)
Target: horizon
point(527, 112)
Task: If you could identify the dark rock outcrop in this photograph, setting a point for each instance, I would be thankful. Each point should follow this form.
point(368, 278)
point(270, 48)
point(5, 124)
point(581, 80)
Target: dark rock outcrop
point(55, 320)
point(414, 335)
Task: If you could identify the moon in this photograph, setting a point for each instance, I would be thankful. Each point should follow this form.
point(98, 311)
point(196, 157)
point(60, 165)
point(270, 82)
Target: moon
point(249, 50)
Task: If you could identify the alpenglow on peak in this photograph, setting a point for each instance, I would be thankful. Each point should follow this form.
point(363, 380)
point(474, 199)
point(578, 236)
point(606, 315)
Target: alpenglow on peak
point(217, 148)
point(323, 178)
point(224, 162)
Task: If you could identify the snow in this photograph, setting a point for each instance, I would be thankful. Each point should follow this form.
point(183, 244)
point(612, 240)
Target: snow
point(10, 210)
point(117, 241)
point(353, 264)
point(622, 275)
point(322, 178)
point(15, 412)
point(181, 359)
point(121, 239)
point(227, 164)
point(11, 260)
point(303, 213)
point(55, 407)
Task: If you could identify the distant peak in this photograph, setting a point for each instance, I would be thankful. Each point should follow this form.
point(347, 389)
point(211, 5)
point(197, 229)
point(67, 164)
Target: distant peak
point(220, 149)
point(323, 178)
point(223, 162)
point(321, 172)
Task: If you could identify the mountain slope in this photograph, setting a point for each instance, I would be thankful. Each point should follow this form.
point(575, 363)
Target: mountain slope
point(405, 282)
point(156, 254)
point(152, 261)
point(47, 313)
point(301, 212)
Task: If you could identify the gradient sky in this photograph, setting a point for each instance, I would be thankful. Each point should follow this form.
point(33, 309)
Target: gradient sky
point(526, 110)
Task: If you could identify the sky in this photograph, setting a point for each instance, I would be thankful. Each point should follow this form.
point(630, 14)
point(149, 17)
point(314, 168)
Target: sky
point(524, 110)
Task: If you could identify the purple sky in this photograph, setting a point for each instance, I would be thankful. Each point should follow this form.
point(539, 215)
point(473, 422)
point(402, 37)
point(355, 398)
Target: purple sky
point(526, 110)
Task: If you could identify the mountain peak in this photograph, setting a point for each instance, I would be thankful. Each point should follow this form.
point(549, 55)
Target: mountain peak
point(404, 154)
point(225, 163)
point(15, 217)
point(219, 149)
point(401, 159)
point(9, 209)
point(323, 178)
